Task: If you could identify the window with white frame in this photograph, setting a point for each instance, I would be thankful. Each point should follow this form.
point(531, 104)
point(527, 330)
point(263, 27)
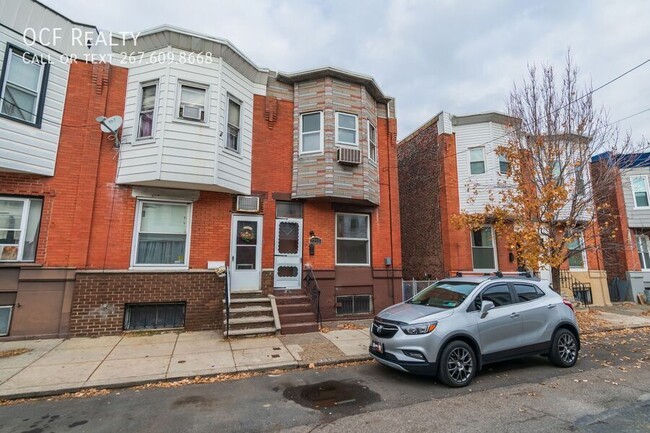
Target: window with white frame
point(5, 319)
point(504, 164)
point(477, 160)
point(192, 102)
point(346, 129)
point(23, 86)
point(20, 219)
point(643, 246)
point(483, 249)
point(311, 132)
point(640, 191)
point(372, 142)
point(234, 124)
point(162, 233)
point(352, 239)
point(577, 250)
point(147, 109)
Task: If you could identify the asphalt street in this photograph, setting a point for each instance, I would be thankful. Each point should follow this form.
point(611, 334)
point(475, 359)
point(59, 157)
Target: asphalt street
point(608, 390)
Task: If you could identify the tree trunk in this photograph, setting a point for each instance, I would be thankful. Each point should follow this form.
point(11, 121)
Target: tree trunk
point(555, 279)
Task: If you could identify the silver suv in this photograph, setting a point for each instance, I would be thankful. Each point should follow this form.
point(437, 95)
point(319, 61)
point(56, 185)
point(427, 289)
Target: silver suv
point(455, 326)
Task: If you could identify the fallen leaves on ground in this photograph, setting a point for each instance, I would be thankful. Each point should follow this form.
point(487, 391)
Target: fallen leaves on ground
point(589, 322)
point(84, 393)
point(13, 352)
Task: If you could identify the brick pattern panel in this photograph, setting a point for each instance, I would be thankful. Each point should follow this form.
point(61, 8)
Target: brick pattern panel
point(100, 298)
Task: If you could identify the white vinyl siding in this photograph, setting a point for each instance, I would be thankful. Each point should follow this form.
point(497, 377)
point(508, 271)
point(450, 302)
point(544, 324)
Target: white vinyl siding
point(23, 147)
point(161, 237)
point(187, 153)
point(352, 239)
point(20, 220)
point(347, 129)
point(484, 253)
point(311, 132)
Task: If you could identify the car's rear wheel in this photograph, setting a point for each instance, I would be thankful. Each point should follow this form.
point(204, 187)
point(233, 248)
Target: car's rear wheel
point(457, 364)
point(564, 349)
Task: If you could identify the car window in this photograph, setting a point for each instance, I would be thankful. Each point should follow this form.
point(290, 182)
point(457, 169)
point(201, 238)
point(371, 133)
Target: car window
point(527, 292)
point(443, 294)
point(499, 294)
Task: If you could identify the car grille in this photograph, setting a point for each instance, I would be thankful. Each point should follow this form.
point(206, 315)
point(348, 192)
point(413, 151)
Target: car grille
point(383, 330)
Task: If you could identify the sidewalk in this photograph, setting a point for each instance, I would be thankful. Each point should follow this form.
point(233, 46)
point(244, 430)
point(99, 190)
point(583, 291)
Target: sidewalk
point(56, 366)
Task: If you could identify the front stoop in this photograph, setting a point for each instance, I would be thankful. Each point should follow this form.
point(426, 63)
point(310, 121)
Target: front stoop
point(251, 315)
point(296, 315)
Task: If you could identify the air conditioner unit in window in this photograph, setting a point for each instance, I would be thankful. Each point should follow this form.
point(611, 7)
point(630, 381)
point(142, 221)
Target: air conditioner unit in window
point(247, 203)
point(192, 112)
point(348, 156)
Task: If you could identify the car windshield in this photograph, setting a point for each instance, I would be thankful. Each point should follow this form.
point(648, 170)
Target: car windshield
point(444, 294)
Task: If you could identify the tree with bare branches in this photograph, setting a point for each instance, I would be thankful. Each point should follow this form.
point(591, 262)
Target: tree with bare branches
point(545, 206)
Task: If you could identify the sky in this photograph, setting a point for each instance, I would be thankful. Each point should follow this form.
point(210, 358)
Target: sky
point(459, 56)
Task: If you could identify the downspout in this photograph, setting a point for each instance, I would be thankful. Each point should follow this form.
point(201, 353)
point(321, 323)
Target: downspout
point(390, 204)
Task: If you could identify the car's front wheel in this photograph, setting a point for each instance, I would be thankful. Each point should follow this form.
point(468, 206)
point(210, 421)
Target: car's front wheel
point(457, 364)
point(564, 349)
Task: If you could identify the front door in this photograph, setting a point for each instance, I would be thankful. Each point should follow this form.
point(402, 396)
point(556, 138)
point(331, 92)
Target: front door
point(246, 253)
point(288, 253)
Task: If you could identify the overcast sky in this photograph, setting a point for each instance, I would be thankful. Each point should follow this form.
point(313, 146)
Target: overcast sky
point(459, 56)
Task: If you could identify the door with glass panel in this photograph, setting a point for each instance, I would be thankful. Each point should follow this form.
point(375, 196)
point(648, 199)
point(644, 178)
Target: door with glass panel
point(246, 253)
point(287, 269)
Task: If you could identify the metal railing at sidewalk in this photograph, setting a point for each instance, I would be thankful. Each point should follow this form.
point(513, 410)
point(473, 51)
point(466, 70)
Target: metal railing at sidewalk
point(313, 292)
point(581, 291)
point(412, 287)
point(227, 299)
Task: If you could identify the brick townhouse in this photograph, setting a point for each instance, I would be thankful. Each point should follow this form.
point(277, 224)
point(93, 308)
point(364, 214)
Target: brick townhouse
point(627, 252)
point(218, 162)
point(447, 166)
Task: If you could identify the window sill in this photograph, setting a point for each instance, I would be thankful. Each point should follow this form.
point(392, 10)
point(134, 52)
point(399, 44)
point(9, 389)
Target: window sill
point(36, 124)
point(158, 268)
point(347, 145)
point(373, 163)
point(354, 264)
point(320, 152)
point(204, 124)
point(232, 152)
point(143, 141)
point(13, 264)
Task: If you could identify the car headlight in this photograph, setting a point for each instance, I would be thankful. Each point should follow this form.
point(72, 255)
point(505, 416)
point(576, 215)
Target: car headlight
point(419, 328)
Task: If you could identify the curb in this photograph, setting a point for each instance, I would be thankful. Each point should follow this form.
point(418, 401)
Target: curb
point(290, 366)
point(619, 328)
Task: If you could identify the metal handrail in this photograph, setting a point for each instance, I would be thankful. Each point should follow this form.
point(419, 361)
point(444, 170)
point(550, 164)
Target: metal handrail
point(227, 296)
point(581, 291)
point(313, 292)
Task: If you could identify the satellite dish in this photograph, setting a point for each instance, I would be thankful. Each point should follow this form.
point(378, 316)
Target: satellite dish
point(111, 124)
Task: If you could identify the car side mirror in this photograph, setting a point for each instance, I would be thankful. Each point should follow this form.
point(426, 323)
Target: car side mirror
point(485, 307)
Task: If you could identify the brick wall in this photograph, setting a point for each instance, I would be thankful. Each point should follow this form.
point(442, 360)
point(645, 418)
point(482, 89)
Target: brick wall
point(99, 299)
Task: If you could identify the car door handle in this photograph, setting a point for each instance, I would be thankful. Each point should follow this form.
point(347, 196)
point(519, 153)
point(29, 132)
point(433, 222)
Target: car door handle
point(513, 315)
point(551, 305)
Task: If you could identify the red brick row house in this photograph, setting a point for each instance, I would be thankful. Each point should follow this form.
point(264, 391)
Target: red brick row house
point(447, 166)
point(218, 162)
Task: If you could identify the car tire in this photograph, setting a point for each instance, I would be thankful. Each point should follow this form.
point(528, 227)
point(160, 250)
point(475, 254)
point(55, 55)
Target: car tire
point(564, 349)
point(457, 365)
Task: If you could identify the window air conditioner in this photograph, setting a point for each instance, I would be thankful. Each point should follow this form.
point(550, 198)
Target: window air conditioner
point(247, 203)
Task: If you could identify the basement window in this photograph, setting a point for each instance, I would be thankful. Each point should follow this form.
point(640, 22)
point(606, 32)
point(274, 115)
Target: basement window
point(354, 304)
point(154, 316)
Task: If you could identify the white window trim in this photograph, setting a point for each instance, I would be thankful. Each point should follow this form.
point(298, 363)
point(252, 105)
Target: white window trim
point(647, 190)
point(139, 108)
point(583, 253)
point(336, 238)
point(644, 266)
point(39, 89)
point(499, 157)
point(368, 126)
point(485, 168)
point(23, 228)
point(136, 236)
point(356, 129)
point(239, 135)
point(206, 106)
point(494, 250)
point(321, 132)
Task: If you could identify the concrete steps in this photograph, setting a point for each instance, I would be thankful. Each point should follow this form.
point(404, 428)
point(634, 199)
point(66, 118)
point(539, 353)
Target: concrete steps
point(295, 311)
point(251, 315)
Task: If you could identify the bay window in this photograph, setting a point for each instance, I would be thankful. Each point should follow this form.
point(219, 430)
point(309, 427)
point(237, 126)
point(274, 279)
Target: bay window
point(352, 239)
point(477, 160)
point(234, 119)
point(20, 220)
point(372, 142)
point(162, 234)
point(192, 104)
point(311, 132)
point(346, 129)
point(147, 109)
